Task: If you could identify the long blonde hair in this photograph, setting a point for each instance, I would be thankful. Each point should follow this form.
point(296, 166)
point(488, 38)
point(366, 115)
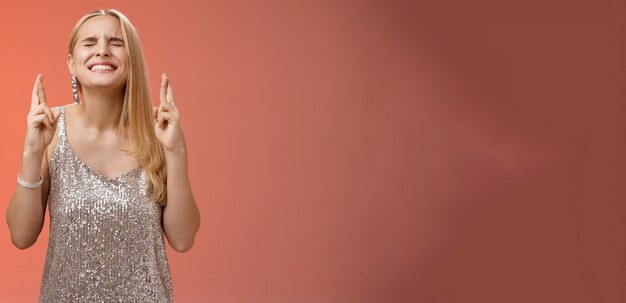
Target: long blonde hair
point(136, 120)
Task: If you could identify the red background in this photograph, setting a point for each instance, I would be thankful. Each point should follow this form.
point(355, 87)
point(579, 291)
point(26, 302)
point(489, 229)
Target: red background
point(369, 151)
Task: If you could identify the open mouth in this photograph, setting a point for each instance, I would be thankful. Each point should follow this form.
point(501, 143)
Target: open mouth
point(102, 67)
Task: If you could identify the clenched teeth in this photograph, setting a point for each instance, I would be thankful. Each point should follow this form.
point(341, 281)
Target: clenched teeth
point(99, 67)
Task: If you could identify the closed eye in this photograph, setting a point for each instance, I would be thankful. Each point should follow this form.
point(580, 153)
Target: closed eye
point(115, 41)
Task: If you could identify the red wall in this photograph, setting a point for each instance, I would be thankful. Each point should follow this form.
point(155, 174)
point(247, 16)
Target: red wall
point(369, 151)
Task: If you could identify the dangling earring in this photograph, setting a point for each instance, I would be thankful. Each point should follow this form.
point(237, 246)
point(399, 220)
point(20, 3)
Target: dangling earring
point(75, 90)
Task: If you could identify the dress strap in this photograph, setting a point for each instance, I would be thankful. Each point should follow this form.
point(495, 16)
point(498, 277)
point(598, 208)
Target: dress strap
point(61, 123)
point(61, 142)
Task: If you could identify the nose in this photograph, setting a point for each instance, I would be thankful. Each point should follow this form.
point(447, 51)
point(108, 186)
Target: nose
point(102, 50)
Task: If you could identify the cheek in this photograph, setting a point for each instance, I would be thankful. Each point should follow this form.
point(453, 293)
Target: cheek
point(79, 59)
point(121, 55)
point(124, 63)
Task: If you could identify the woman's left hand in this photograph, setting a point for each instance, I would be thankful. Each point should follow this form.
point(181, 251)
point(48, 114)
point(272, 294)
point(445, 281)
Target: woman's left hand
point(167, 120)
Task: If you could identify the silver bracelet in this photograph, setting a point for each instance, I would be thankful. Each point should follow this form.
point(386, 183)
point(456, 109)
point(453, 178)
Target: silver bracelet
point(29, 185)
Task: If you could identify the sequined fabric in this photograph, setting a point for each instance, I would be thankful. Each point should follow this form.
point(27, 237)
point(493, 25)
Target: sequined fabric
point(106, 240)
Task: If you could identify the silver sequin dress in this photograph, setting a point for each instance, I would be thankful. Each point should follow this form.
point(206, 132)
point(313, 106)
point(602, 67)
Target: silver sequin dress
point(106, 240)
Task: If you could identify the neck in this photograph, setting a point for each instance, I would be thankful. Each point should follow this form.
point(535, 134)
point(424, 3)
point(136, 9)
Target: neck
point(101, 109)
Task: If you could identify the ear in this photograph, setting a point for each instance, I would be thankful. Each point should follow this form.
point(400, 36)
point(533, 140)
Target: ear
point(70, 63)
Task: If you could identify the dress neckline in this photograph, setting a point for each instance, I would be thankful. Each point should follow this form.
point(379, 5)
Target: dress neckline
point(83, 163)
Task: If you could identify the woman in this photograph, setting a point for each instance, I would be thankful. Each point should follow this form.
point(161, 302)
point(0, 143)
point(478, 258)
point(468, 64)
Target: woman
point(112, 170)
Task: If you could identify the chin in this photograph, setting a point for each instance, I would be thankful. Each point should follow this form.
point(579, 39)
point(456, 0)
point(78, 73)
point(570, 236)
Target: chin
point(105, 85)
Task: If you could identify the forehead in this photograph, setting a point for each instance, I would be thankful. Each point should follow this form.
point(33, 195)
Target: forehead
point(100, 25)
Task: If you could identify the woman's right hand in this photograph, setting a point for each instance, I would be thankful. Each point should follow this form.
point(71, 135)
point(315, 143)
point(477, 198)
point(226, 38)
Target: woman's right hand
point(41, 121)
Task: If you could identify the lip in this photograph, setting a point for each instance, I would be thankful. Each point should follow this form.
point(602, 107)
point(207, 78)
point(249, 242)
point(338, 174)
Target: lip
point(102, 63)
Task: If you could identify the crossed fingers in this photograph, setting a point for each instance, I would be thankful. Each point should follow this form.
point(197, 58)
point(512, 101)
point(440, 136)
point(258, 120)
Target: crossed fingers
point(38, 107)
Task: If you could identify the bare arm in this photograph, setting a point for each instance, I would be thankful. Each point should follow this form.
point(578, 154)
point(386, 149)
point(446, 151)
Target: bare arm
point(181, 217)
point(26, 211)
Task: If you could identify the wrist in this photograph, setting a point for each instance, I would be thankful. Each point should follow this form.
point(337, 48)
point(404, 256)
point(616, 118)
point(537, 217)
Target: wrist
point(176, 158)
point(30, 155)
point(31, 166)
point(29, 185)
point(175, 153)
point(177, 149)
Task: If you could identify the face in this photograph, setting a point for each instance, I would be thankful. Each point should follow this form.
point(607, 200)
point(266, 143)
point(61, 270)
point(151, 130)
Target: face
point(99, 59)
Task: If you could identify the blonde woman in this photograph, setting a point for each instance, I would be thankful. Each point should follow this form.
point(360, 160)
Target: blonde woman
point(111, 169)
